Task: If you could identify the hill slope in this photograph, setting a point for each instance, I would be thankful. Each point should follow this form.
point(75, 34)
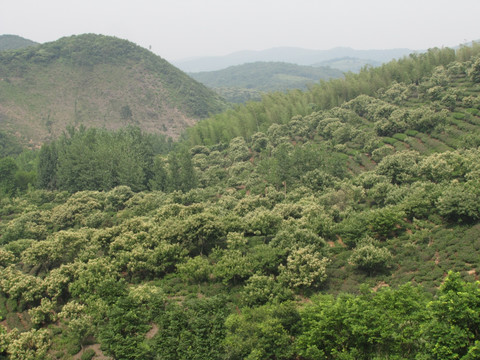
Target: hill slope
point(238, 249)
point(12, 42)
point(99, 81)
point(261, 77)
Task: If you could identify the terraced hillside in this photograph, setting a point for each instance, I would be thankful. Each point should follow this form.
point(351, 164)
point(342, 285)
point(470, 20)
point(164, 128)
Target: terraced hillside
point(343, 224)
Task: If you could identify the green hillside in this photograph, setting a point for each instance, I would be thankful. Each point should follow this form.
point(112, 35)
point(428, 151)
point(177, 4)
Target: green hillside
point(338, 223)
point(248, 81)
point(98, 81)
point(12, 42)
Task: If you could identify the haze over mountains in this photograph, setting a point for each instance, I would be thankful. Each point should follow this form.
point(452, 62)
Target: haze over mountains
point(287, 54)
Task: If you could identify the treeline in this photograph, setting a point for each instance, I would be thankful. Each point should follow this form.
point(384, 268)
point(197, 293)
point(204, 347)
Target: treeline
point(280, 108)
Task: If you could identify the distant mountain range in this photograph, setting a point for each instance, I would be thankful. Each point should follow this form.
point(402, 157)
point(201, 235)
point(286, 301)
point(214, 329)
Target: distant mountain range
point(293, 55)
point(96, 81)
point(347, 64)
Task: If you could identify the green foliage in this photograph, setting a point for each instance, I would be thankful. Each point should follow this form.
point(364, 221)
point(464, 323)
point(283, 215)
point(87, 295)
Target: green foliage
point(475, 71)
point(453, 331)
point(123, 334)
point(369, 257)
point(262, 289)
point(384, 222)
point(399, 167)
point(8, 169)
point(305, 268)
point(88, 354)
point(31, 344)
point(372, 325)
point(291, 243)
point(261, 333)
point(263, 77)
point(193, 330)
point(459, 202)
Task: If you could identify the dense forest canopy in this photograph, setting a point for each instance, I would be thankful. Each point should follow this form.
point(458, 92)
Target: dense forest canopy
point(337, 223)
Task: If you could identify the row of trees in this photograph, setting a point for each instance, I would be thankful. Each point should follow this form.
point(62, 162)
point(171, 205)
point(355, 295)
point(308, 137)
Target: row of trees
point(92, 159)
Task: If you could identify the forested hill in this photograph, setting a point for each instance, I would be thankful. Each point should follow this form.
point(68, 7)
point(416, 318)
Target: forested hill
point(248, 81)
point(11, 42)
point(341, 223)
point(280, 108)
point(98, 81)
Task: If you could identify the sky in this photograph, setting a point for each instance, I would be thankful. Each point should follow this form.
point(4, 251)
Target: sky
point(179, 29)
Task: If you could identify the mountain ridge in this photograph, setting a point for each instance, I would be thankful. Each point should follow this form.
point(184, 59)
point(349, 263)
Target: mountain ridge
point(294, 55)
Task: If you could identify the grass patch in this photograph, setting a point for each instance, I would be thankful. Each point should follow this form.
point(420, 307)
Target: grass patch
point(434, 145)
point(473, 111)
point(389, 140)
point(400, 137)
point(411, 132)
point(400, 146)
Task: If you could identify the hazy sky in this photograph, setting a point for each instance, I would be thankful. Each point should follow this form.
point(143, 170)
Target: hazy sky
point(177, 29)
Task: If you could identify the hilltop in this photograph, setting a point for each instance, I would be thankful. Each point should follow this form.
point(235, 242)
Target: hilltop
point(99, 81)
point(12, 42)
point(248, 81)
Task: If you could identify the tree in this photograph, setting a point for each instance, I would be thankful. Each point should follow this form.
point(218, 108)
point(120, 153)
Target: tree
point(193, 329)
point(305, 268)
point(123, 332)
point(33, 344)
point(453, 331)
point(475, 71)
point(261, 333)
point(159, 180)
point(373, 325)
point(188, 178)
point(47, 167)
point(369, 257)
point(399, 167)
point(460, 201)
point(8, 168)
point(262, 289)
